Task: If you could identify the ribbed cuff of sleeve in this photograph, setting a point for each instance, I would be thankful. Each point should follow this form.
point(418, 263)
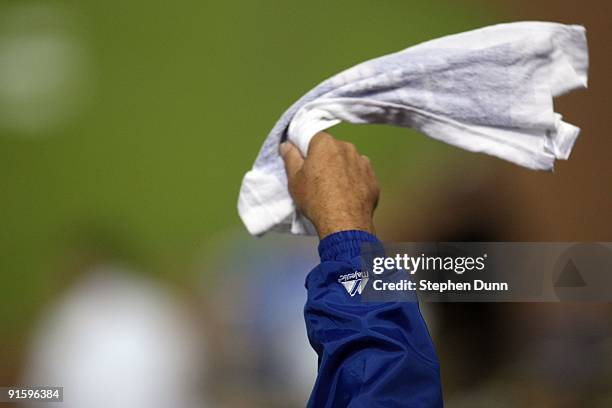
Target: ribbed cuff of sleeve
point(344, 245)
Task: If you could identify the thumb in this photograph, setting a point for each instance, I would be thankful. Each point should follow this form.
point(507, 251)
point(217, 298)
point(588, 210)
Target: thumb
point(292, 157)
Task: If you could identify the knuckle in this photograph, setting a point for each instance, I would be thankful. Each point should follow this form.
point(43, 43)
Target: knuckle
point(324, 136)
point(321, 141)
point(321, 137)
point(348, 147)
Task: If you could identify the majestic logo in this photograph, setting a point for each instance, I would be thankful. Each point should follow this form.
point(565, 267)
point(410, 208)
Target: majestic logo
point(354, 282)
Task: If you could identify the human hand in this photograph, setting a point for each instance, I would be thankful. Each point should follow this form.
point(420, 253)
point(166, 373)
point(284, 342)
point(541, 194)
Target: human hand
point(334, 186)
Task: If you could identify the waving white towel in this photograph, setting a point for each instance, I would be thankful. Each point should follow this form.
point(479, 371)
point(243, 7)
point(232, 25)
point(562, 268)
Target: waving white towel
point(489, 90)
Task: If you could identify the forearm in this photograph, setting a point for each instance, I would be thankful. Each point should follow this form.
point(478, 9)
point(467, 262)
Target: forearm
point(370, 354)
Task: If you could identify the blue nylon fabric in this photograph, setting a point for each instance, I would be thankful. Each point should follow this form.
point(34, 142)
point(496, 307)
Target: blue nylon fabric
point(370, 354)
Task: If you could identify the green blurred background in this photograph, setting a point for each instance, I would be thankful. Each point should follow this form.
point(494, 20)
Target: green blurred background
point(173, 103)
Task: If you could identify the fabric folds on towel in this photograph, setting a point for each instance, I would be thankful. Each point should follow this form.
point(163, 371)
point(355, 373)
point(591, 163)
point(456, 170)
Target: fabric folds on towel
point(488, 90)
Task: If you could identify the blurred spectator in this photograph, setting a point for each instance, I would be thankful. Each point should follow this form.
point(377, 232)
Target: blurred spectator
point(258, 290)
point(118, 340)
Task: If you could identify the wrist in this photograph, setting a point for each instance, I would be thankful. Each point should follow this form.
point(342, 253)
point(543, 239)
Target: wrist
point(324, 229)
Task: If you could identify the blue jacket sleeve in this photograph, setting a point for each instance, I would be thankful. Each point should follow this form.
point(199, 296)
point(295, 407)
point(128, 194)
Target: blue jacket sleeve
point(370, 354)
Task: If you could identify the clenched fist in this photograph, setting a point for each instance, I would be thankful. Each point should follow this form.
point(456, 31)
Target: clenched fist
point(334, 186)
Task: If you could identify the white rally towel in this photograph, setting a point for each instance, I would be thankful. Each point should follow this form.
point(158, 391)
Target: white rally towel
point(488, 90)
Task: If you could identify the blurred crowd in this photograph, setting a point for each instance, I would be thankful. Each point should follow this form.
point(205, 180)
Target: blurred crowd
point(235, 336)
